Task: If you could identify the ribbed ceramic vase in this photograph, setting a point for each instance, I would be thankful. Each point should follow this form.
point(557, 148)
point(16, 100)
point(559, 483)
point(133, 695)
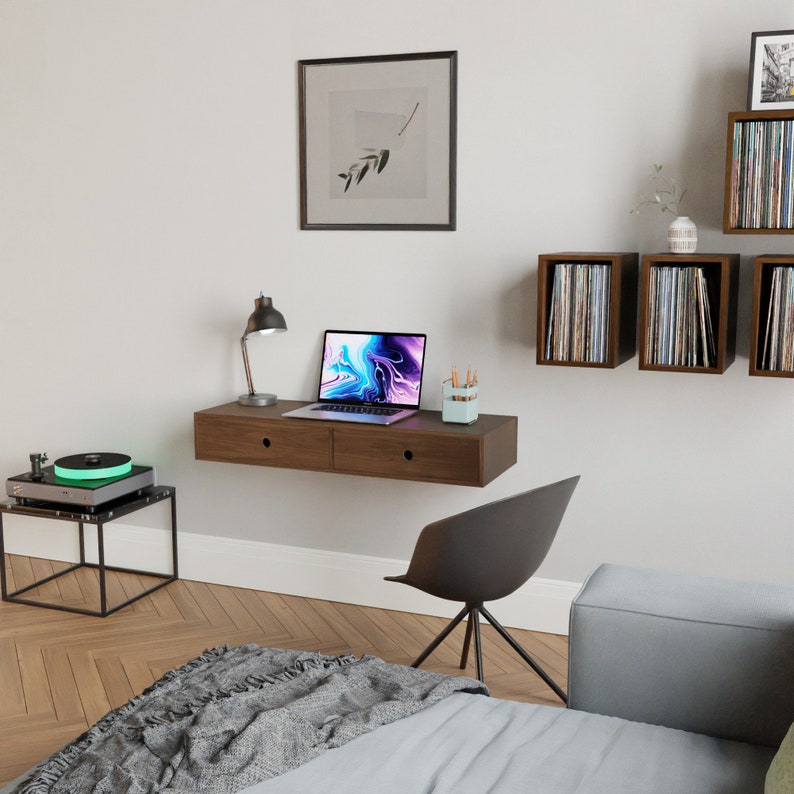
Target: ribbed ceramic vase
point(682, 236)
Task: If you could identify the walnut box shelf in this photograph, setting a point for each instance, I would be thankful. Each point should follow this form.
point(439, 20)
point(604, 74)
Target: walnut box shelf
point(587, 309)
point(688, 312)
point(772, 317)
point(420, 448)
point(759, 179)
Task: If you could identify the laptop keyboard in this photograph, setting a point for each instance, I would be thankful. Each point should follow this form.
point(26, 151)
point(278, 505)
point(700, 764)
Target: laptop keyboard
point(371, 410)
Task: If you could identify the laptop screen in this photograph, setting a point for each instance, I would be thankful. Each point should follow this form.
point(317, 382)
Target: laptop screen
point(372, 368)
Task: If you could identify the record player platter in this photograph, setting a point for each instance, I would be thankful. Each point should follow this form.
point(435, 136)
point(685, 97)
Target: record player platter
point(93, 466)
point(89, 479)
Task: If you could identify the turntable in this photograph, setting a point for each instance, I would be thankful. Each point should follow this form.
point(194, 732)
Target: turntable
point(90, 479)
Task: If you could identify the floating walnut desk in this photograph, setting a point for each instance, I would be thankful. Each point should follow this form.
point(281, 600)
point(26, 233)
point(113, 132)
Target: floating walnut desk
point(421, 448)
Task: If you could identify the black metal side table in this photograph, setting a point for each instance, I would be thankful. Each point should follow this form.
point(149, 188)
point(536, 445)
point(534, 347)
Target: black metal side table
point(98, 516)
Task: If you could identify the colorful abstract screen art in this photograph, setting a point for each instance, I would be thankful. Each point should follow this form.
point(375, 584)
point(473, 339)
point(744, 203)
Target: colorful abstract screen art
point(372, 368)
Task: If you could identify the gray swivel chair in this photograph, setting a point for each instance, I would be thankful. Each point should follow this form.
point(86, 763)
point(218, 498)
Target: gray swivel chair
point(484, 554)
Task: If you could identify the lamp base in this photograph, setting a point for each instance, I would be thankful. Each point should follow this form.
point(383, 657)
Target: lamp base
point(257, 400)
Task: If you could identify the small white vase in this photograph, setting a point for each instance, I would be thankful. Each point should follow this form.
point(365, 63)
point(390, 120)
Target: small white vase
point(682, 236)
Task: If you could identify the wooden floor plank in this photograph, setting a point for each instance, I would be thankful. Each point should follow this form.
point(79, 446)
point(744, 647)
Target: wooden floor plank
point(114, 680)
point(348, 633)
point(88, 681)
point(164, 604)
point(370, 629)
point(186, 602)
point(21, 571)
point(239, 615)
point(12, 693)
point(138, 672)
point(42, 568)
point(264, 616)
point(310, 617)
point(65, 697)
point(205, 596)
point(395, 625)
point(72, 591)
point(134, 584)
point(36, 684)
point(46, 736)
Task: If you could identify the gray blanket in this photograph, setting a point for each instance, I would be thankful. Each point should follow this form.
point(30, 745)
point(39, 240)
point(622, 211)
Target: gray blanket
point(234, 717)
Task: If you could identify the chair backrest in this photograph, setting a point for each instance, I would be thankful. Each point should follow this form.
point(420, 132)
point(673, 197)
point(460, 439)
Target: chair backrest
point(488, 552)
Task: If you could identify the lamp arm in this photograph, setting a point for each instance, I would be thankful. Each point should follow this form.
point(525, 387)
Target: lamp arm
point(246, 364)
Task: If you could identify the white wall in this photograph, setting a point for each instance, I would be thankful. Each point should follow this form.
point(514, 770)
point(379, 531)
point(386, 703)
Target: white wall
point(150, 191)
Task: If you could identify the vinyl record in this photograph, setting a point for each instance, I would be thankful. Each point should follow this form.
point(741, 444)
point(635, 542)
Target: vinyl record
point(93, 466)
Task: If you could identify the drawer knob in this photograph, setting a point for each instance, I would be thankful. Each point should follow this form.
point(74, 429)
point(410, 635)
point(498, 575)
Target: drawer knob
point(265, 442)
point(408, 455)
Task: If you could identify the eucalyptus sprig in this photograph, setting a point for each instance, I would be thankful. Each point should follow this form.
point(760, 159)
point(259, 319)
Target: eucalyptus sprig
point(373, 162)
point(666, 195)
point(358, 170)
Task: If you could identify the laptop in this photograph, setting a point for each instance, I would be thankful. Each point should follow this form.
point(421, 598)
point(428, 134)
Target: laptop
point(369, 377)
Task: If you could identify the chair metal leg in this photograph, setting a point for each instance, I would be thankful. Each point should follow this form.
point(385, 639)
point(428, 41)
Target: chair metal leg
point(464, 656)
point(473, 630)
point(441, 637)
point(523, 654)
point(474, 617)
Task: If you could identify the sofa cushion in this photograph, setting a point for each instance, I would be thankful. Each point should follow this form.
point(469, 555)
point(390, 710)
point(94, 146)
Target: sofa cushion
point(706, 655)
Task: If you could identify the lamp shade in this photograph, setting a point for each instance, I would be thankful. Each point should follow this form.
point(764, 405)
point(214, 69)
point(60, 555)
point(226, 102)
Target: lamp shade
point(265, 319)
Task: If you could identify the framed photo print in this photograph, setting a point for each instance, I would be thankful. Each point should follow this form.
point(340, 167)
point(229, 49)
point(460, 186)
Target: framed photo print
point(771, 71)
point(378, 142)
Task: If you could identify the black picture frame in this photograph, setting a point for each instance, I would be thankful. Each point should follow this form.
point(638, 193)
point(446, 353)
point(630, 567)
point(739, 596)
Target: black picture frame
point(378, 142)
point(771, 76)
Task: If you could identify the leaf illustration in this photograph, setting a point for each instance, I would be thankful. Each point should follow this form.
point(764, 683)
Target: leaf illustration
point(376, 160)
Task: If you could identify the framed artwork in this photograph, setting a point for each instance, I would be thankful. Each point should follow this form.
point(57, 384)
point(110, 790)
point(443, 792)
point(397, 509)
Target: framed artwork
point(771, 71)
point(378, 142)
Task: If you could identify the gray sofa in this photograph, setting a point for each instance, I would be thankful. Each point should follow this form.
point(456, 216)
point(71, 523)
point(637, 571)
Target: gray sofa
point(711, 657)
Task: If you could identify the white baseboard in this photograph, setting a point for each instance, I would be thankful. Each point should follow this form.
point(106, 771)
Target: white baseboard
point(540, 605)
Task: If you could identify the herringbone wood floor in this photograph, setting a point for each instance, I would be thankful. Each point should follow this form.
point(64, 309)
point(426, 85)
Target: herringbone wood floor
point(60, 672)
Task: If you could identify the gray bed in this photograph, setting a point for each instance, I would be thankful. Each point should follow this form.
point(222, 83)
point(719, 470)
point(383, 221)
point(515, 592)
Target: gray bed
point(264, 720)
point(470, 744)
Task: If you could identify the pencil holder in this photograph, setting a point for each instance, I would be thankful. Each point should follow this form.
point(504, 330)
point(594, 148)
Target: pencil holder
point(459, 405)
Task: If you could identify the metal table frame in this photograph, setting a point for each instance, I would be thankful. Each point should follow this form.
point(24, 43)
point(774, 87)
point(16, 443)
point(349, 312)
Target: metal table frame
point(98, 516)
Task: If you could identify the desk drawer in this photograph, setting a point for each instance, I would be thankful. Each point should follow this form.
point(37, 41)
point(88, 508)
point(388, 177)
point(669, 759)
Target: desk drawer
point(388, 452)
point(262, 442)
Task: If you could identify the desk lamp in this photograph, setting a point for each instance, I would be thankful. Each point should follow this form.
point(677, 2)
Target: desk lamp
point(263, 320)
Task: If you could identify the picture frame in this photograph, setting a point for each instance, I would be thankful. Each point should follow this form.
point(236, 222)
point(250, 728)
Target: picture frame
point(771, 80)
point(378, 142)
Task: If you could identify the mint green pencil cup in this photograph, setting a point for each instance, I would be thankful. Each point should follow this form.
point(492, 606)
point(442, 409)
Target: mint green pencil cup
point(459, 405)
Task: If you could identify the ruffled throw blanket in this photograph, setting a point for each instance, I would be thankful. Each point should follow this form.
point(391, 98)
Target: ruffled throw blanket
point(234, 717)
